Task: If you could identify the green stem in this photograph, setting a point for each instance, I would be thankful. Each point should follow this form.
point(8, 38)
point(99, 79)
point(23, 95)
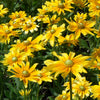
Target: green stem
point(70, 75)
point(37, 96)
point(41, 27)
point(25, 93)
point(29, 89)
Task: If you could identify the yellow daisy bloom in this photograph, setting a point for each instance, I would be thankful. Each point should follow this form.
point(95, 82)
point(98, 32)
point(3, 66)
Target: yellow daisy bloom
point(53, 20)
point(28, 46)
point(96, 53)
point(25, 73)
point(42, 17)
point(27, 92)
point(63, 96)
point(71, 39)
point(44, 9)
point(94, 7)
point(81, 26)
point(97, 31)
point(16, 15)
point(3, 11)
point(59, 7)
point(82, 87)
point(80, 16)
point(14, 57)
point(30, 25)
point(66, 64)
point(80, 3)
point(96, 91)
point(6, 32)
point(53, 32)
point(95, 63)
point(44, 75)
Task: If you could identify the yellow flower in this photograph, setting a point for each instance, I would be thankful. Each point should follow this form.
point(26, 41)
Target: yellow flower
point(95, 63)
point(96, 53)
point(42, 17)
point(71, 39)
point(96, 91)
point(25, 73)
point(6, 32)
point(97, 32)
point(82, 87)
point(27, 92)
point(80, 3)
point(44, 9)
point(80, 16)
point(3, 11)
point(58, 6)
point(94, 7)
point(36, 44)
point(14, 57)
point(53, 20)
point(81, 26)
point(16, 15)
point(53, 32)
point(44, 75)
point(66, 64)
point(30, 25)
point(28, 46)
point(63, 96)
point(23, 47)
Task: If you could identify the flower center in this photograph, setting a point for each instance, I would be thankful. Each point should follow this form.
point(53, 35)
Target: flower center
point(78, 4)
point(28, 25)
point(98, 64)
point(81, 26)
point(61, 5)
point(52, 21)
point(39, 75)
point(82, 88)
point(69, 63)
point(7, 31)
point(22, 19)
point(64, 97)
point(52, 31)
point(26, 42)
point(14, 59)
point(75, 81)
point(17, 16)
point(46, 9)
point(41, 16)
point(81, 17)
point(98, 7)
point(25, 73)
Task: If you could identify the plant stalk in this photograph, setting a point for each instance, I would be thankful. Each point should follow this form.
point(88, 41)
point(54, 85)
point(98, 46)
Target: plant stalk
point(70, 75)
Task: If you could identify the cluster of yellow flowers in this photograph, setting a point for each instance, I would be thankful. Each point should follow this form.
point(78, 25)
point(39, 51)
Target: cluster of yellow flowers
point(53, 14)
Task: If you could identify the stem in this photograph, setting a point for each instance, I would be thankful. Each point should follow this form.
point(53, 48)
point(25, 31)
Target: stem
point(29, 88)
point(70, 75)
point(37, 93)
point(41, 27)
point(25, 93)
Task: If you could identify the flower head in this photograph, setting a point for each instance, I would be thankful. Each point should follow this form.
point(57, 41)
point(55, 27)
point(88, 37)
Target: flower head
point(81, 87)
point(3, 11)
point(25, 73)
point(66, 64)
point(80, 26)
point(53, 32)
point(96, 91)
point(63, 96)
point(14, 57)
